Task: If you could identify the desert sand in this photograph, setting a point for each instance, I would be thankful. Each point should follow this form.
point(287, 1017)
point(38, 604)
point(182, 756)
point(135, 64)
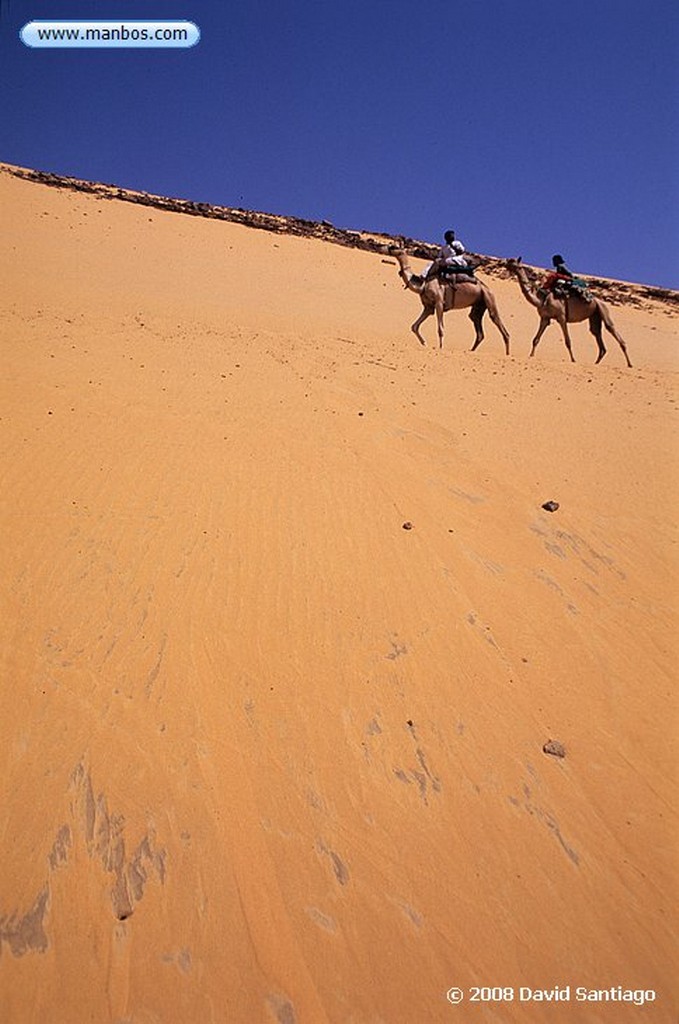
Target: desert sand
point(269, 755)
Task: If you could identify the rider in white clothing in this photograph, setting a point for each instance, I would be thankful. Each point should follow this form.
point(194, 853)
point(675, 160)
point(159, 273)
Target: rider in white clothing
point(450, 255)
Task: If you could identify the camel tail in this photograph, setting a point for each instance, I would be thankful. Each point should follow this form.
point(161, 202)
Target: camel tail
point(606, 317)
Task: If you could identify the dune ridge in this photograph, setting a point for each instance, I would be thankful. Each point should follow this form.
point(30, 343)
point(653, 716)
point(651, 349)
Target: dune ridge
point(370, 241)
point(286, 631)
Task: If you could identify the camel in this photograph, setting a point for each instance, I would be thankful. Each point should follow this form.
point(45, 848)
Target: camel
point(439, 297)
point(571, 309)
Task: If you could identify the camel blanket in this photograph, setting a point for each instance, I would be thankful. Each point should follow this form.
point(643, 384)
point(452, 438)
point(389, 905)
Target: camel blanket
point(458, 279)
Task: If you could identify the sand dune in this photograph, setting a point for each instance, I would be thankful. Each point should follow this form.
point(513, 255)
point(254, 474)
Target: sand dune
point(269, 756)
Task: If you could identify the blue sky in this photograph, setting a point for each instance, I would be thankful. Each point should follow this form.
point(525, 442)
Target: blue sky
point(530, 128)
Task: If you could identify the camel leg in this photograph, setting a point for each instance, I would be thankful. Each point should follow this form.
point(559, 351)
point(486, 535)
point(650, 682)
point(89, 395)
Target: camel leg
point(476, 317)
point(595, 328)
point(426, 312)
point(495, 317)
point(544, 324)
point(567, 339)
point(439, 320)
point(608, 324)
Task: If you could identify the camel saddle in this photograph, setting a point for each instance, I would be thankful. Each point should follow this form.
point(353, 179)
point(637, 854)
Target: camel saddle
point(456, 278)
point(574, 286)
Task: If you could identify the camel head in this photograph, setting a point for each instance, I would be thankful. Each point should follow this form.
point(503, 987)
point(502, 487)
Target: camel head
point(412, 281)
point(514, 264)
point(400, 256)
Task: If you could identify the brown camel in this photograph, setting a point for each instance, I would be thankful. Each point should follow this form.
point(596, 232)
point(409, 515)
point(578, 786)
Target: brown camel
point(571, 309)
point(438, 297)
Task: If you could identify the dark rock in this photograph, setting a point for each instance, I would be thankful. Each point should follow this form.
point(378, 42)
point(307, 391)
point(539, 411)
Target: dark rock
point(554, 748)
point(550, 506)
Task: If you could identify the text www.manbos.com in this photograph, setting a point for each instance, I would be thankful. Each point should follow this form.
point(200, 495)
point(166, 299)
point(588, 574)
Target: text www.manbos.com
point(109, 33)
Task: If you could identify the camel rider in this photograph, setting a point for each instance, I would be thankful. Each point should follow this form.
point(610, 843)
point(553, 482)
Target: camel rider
point(562, 282)
point(457, 263)
point(450, 259)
